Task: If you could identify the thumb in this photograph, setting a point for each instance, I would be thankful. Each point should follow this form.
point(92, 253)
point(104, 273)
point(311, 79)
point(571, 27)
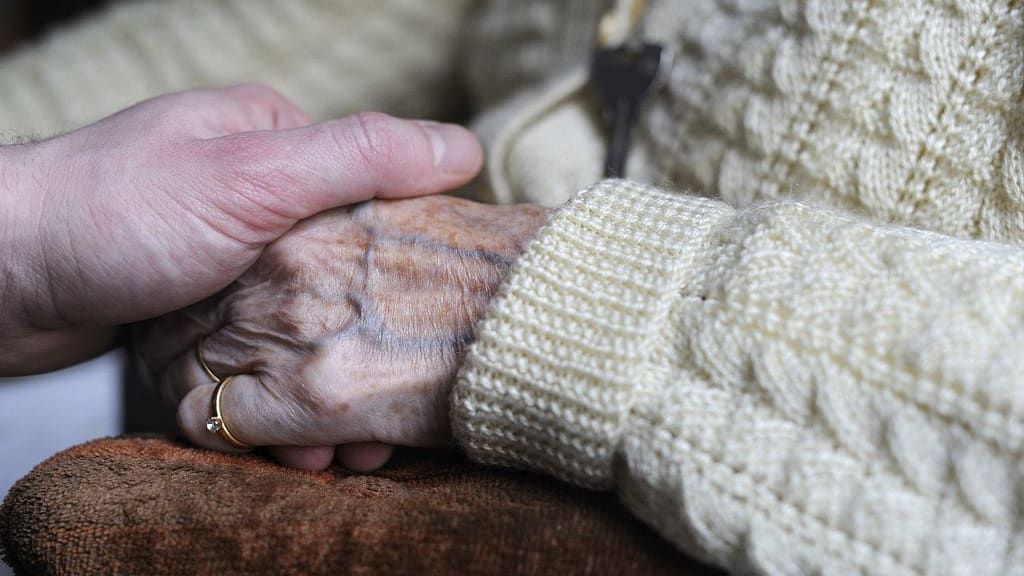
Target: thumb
point(303, 171)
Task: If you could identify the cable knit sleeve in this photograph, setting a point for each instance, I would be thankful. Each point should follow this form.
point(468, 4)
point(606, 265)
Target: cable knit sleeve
point(781, 389)
point(331, 57)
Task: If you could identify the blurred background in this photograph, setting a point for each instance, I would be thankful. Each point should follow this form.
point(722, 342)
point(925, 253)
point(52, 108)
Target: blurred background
point(21, 20)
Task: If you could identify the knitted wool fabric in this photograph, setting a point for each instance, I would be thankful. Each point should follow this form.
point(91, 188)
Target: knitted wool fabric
point(331, 57)
point(907, 112)
point(782, 389)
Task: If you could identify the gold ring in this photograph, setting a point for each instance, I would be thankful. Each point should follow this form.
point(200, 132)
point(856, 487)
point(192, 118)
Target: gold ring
point(202, 361)
point(216, 423)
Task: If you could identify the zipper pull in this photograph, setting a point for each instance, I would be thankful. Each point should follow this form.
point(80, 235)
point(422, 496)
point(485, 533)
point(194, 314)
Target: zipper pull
point(623, 78)
point(624, 72)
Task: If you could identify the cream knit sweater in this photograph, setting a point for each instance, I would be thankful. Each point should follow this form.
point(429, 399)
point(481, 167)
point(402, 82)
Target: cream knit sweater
point(834, 385)
point(782, 389)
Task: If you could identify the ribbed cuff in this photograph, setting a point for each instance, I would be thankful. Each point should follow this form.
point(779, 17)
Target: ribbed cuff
point(565, 349)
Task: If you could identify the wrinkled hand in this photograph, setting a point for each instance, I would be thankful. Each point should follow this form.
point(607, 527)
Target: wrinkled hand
point(347, 330)
point(167, 202)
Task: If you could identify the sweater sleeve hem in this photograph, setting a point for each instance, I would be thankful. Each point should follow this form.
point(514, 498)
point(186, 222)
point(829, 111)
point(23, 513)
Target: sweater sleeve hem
point(563, 352)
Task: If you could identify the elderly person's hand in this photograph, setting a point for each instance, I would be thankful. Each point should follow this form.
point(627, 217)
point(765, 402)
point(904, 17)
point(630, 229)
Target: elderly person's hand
point(166, 203)
point(347, 330)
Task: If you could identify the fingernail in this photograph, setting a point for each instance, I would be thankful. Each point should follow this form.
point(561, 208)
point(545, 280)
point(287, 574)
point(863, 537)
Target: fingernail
point(455, 149)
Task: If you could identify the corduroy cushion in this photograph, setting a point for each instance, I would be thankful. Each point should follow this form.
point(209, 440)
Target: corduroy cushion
point(153, 506)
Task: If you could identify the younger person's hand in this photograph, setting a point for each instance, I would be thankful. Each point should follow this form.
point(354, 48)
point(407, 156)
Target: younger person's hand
point(167, 202)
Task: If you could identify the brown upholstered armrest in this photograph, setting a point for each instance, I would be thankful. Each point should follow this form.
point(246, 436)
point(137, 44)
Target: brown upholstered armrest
point(153, 506)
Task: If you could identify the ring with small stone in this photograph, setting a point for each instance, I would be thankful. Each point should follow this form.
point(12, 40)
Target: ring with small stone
point(216, 423)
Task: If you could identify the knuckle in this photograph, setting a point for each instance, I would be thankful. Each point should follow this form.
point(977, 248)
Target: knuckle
point(313, 395)
point(282, 416)
point(374, 137)
point(282, 316)
point(317, 396)
point(293, 322)
point(194, 103)
point(167, 115)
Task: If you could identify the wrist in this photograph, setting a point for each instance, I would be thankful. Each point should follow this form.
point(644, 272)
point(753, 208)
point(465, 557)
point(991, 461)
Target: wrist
point(36, 234)
point(33, 338)
point(521, 226)
point(583, 302)
point(522, 223)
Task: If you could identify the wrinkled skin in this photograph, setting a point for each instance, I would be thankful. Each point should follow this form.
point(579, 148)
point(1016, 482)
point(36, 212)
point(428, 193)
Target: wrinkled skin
point(349, 329)
point(167, 202)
